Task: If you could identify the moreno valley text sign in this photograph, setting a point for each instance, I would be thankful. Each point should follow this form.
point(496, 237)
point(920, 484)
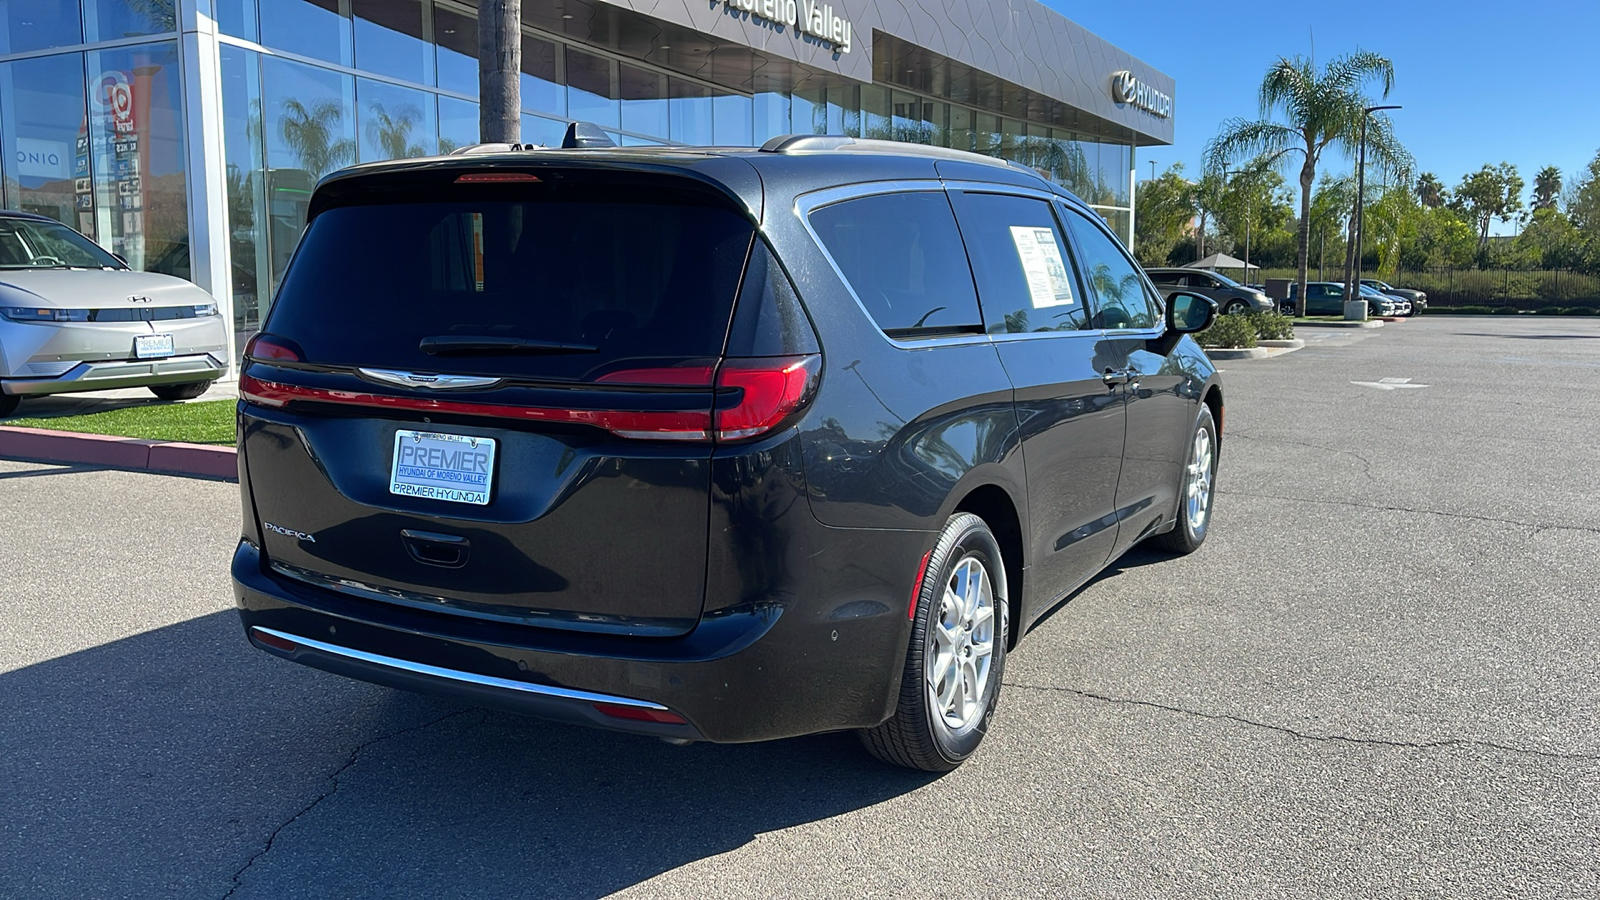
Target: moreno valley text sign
point(819, 20)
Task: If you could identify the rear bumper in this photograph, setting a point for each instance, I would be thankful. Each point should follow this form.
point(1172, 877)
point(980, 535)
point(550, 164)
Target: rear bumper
point(113, 374)
point(757, 672)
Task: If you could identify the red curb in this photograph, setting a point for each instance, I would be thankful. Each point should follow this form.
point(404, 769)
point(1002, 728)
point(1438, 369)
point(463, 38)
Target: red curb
point(119, 452)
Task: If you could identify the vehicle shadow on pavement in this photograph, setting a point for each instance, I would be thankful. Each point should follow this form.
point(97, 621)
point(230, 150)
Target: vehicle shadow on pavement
point(1137, 557)
point(183, 762)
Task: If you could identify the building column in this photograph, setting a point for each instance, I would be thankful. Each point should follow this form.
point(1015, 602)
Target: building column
point(199, 62)
point(1133, 187)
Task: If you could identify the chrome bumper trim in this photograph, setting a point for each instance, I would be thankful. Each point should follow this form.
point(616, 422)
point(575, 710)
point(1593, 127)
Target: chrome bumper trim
point(110, 375)
point(404, 665)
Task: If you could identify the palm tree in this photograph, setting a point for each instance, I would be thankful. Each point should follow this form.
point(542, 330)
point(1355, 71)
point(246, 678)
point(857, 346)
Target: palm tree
point(1322, 110)
point(1430, 191)
point(1546, 188)
point(310, 133)
point(392, 134)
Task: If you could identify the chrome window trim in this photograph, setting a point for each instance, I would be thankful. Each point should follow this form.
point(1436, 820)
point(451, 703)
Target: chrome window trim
point(405, 665)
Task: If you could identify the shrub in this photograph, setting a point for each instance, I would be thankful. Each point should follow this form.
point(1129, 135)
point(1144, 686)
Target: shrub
point(1504, 311)
point(1550, 311)
point(1462, 310)
point(1582, 311)
point(1271, 326)
point(1229, 333)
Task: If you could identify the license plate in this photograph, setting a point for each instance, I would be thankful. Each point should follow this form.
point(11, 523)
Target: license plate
point(152, 346)
point(451, 467)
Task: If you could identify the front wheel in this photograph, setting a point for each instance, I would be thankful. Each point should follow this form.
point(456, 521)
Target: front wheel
point(1196, 490)
point(1235, 307)
point(180, 391)
point(957, 655)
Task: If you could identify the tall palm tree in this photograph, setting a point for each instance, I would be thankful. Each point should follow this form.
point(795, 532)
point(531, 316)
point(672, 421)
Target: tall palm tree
point(499, 68)
point(1546, 188)
point(1321, 110)
point(1430, 191)
point(312, 133)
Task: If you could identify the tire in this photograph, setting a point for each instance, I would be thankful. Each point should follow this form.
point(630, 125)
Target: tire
point(1196, 491)
point(1235, 307)
point(187, 391)
point(8, 404)
point(939, 723)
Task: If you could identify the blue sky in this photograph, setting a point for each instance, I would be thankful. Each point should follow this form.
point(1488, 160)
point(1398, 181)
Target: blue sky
point(1481, 81)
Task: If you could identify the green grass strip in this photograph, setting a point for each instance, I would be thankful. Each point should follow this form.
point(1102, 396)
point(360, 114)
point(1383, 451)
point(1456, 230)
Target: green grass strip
point(204, 422)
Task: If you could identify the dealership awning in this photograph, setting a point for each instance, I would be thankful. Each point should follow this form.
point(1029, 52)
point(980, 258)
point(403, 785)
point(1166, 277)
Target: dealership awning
point(1220, 261)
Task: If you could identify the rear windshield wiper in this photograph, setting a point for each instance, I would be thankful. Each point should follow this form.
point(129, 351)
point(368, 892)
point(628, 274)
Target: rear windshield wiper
point(489, 345)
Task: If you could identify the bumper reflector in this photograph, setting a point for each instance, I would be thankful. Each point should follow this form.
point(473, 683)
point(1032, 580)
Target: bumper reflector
point(273, 641)
point(639, 713)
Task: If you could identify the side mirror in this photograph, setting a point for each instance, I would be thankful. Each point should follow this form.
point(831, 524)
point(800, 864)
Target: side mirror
point(1188, 313)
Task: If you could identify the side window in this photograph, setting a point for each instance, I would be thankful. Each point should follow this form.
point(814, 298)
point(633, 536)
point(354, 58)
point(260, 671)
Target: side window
point(902, 255)
point(1021, 263)
point(1167, 278)
point(1123, 302)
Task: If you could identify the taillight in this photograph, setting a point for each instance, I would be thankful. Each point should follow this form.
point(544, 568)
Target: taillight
point(639, 713)
point(267, 348)
point(770, 389)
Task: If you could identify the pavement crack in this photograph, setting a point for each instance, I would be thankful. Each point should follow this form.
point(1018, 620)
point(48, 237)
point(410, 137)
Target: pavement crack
point(1306, 736)
point(1536, 526)
point(333, 788)
point(1366, 464)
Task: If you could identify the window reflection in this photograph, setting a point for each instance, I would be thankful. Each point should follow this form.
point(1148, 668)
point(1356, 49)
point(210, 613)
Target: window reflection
point(247, 199)
point(309, 131)
point(110, 20)
point(592, 89)
point(312, 28)
point(136, 145)
point(771, 116)
point(389, 39)
point(458, 124)
point(690, 112)
point(541, 78)
point(37, 24)
point(237, 17)
point(456, 35)
point(41, 113)
point(644, 101)
point(395, 122)
point(731, 120)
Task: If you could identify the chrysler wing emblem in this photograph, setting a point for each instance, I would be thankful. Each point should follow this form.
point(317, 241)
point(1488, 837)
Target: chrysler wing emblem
point(429, 382)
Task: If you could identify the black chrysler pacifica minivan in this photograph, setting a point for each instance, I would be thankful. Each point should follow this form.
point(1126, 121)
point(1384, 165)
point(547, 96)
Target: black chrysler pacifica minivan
point(709, 444)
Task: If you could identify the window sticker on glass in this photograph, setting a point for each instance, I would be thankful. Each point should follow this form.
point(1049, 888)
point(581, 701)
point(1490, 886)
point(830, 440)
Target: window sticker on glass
point(1048, 283)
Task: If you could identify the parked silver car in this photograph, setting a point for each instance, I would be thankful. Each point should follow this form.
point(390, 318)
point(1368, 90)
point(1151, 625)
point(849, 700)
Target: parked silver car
point(1231, 296)
point(75, 318)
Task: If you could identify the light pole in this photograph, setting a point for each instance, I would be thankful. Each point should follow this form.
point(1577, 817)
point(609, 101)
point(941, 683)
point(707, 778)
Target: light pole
point(1351, 290)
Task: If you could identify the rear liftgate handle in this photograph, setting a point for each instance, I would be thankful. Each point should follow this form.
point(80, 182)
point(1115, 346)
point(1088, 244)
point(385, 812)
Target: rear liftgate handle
point(446, 550)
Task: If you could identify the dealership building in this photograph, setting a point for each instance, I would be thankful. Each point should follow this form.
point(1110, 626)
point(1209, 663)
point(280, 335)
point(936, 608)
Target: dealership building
point(186, 135)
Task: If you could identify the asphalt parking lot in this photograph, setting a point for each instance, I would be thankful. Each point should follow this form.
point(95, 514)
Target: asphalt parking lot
point(1379, 678)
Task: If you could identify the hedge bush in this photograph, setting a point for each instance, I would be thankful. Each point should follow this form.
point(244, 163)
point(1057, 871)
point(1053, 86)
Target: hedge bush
point(1271, 326)
point(1229, 333)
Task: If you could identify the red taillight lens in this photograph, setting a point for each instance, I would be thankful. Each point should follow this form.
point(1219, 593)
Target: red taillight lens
point(639, 713)
point(267, 348)
point(770, 388)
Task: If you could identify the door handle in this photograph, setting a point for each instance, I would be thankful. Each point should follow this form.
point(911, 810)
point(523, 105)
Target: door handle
point(1114, 377)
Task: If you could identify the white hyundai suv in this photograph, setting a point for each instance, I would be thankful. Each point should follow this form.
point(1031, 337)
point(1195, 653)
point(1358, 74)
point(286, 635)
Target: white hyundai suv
point(75, 318)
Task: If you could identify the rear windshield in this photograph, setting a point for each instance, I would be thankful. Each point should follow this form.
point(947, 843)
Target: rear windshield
point(564, 287)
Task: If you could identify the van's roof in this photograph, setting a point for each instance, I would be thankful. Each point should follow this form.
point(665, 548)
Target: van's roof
point(774, 173)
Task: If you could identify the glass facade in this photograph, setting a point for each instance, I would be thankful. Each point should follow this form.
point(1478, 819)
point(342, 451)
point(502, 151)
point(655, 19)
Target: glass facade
point(93, 134)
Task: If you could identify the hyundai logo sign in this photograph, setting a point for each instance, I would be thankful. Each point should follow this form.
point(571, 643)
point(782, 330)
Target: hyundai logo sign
point(1125, 88)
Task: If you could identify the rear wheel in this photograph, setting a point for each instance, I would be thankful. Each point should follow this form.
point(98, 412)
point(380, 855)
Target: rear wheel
point(8, 404)
point(954, 664)
point(1196, 491)
point(180, 391)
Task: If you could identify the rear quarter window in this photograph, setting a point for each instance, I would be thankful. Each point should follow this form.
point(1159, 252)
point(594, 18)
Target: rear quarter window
point(902, 256)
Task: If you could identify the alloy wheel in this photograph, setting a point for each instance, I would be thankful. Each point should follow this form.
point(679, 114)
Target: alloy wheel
point(1197, 487)
point(960, 655)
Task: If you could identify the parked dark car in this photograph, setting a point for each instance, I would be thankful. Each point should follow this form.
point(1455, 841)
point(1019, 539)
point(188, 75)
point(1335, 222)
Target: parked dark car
point(1231, 296)
point(722, 445)
point(1419, 299)
point(1326, 298)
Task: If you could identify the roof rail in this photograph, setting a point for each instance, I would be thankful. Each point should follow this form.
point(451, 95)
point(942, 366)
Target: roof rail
point(824, 143)
point(475, 149)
